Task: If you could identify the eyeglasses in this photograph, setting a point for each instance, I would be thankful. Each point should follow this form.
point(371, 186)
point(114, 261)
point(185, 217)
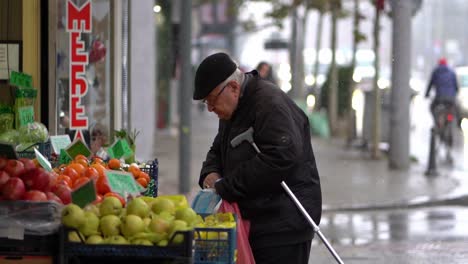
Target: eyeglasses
point(213, 101)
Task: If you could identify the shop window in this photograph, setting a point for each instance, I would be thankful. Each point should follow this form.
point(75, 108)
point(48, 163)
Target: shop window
point(97, 102)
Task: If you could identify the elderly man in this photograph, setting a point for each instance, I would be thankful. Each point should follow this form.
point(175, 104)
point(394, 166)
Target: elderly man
point(279, 233)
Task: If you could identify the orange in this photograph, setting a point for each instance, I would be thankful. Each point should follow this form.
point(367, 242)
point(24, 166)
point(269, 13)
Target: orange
point(91, 172)
point(142, 181)
point(64, 179)
point(78, 167)
point(134, 169)
point(97, 160)
point(114, 164)
point(83, 162)
point(80, 181)
point(100, 168)
point(102, 186)
point(71, 172)
point(80, 156)
point(144, 175)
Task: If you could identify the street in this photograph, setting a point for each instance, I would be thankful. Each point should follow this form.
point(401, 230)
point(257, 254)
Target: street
point(424, 235)
point(369, 234)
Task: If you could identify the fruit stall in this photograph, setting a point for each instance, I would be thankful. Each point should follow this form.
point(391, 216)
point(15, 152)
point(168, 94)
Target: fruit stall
point(61, 204)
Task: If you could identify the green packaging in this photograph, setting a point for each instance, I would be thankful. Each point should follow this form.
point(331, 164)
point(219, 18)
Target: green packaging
point(7, 118)
point(24, 106)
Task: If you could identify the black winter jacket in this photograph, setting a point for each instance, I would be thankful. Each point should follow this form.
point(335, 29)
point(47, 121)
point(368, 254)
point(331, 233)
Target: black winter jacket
point(281, 131)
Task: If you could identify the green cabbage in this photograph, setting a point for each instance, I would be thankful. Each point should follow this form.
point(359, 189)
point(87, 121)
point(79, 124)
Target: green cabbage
point(33, 132)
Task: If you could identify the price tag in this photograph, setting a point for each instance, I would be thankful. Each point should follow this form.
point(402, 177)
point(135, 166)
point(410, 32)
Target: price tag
point(20, 79)
point(84, 194)
point(122, 183)
point(26, 115)
point(64, 158)
point(76, 148)
point(120, 149)
point(60, 142)
point(43, 161)
point(8, 151)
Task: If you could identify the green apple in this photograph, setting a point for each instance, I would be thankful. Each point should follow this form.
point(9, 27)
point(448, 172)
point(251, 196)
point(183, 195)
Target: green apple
point(110, 206)
point(163, 243)
point(138, 207)
point(178, 225)
point(93, 208)
point(159, 225)
point(131, 225)
point(73, 216)
point(110, 225)
point(74, 236)
point(116, 240)
point(91, 224)
point(142, 242)
point(147, 221)
point(186, 214)
point(166, 215)
point(161, 204)
point(94, 240)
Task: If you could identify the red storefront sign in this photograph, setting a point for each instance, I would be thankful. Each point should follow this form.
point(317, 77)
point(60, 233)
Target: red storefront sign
point(78, 22)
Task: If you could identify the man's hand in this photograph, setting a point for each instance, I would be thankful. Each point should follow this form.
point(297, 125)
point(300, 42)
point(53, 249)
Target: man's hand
point(210, 180)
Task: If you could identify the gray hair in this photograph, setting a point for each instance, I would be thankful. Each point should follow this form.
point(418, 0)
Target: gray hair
point(237, 76)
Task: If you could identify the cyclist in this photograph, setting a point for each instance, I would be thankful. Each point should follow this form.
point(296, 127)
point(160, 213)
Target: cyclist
point(446, 87)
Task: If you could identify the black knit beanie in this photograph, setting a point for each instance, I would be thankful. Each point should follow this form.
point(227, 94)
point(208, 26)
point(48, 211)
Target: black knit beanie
point(212, 71)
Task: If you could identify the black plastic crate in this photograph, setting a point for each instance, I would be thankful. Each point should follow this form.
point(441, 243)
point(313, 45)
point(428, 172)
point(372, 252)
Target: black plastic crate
point(30, 246)
point(84, 253)
point(45, 148)
point(152, 168)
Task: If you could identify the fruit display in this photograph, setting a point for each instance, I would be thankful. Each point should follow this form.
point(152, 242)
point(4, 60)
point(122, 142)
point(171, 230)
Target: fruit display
point(143, 221)
point(81, 169)
point(24, 179)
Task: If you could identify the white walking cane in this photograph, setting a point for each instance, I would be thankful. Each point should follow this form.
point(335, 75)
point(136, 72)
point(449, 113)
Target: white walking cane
point(248, 136)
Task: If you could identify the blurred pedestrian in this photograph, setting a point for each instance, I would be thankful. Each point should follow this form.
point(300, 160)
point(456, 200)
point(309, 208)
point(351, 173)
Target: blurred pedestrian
point(265, 70)
point(279, 233)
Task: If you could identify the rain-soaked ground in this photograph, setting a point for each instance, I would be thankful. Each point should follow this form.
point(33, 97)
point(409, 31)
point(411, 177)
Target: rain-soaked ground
point(428, 235)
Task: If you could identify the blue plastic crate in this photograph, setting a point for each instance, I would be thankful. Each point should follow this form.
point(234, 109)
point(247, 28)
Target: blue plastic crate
point(214, 245)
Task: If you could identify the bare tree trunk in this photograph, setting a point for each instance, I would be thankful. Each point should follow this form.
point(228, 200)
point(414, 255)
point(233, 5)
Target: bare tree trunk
point(377, 103)
point(318, 42)
point(351, 113)
point(333, 92)
point(292, 55)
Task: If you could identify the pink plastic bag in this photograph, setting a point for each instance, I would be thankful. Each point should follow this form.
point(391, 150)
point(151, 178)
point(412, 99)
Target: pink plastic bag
point(244, 252)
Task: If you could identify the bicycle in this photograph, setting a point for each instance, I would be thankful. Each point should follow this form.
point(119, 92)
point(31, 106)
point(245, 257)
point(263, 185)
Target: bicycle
point(445, 121)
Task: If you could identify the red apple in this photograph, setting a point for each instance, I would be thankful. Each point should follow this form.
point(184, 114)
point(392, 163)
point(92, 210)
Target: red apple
point(52, 180)
point(3, 162)
point(14, 168)
point(63, 192)
point(37, 179)
point(4, 177)
point(28, 164)
point(53, 197)
point(13, 189)
point(35, 195)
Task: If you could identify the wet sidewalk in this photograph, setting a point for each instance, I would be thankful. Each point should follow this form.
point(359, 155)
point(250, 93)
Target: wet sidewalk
point(350, 179)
